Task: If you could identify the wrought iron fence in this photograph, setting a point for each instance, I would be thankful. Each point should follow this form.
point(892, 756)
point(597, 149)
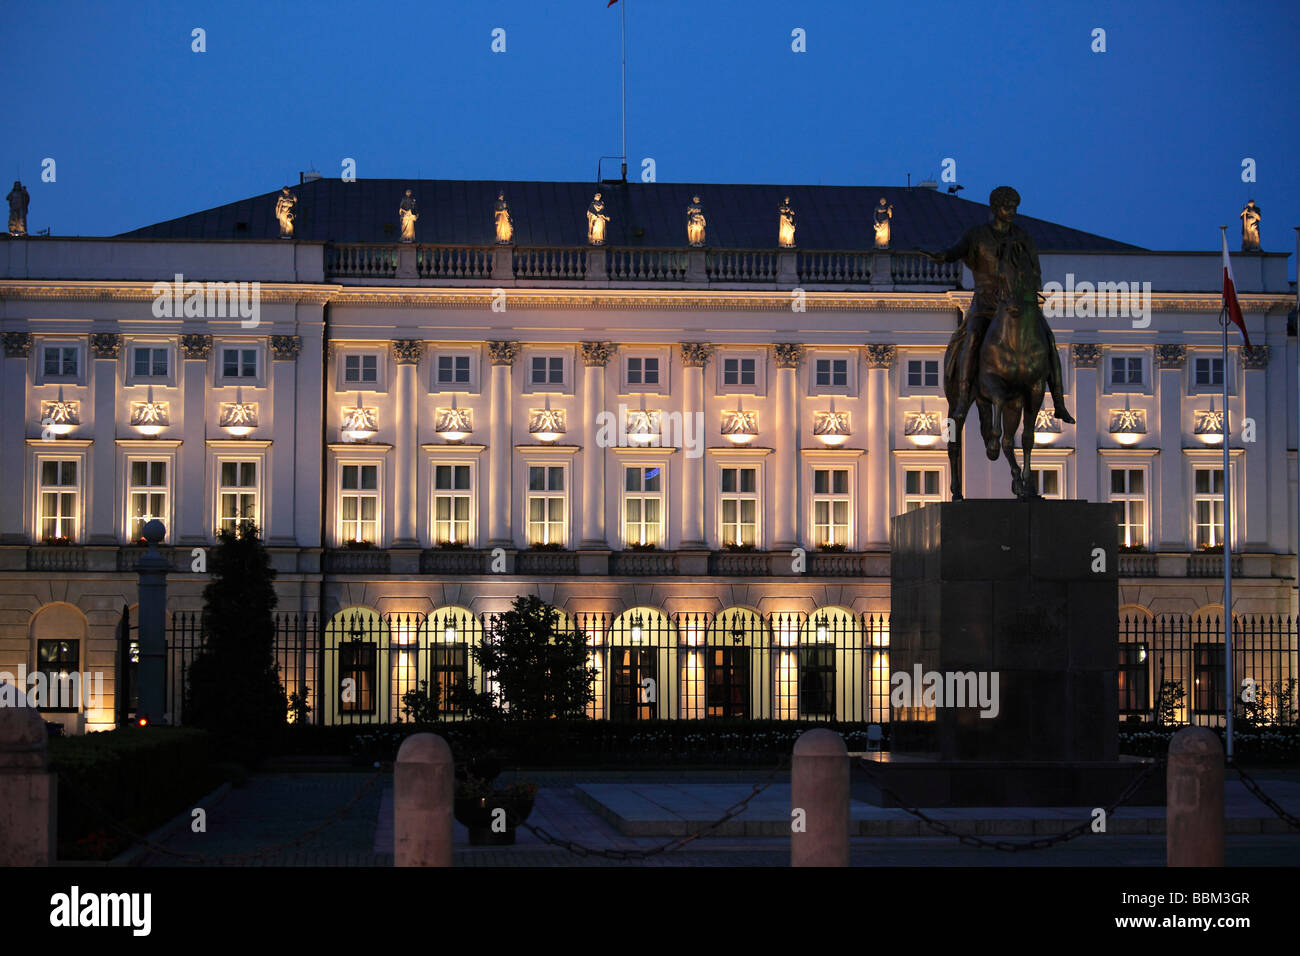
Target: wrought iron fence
point(831, 664)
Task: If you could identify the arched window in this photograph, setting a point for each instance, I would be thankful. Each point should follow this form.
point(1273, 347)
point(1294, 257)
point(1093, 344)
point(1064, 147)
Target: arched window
point(357, 679)
point(639, 649)
point(58, 636)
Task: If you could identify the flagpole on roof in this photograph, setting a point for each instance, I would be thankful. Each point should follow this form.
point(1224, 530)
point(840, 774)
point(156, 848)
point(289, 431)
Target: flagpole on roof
point(1227, 520)
point(623, 37)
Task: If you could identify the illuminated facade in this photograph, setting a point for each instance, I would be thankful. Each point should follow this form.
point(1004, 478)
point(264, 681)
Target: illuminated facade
point(450, 422)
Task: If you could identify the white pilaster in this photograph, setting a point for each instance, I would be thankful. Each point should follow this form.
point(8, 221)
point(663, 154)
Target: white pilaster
point(594, 356)
point(502, 355)
point(284, 395)
point(1166, 495)
point(104, 350)
point(307, 451)
point(695, 356)
point(1252, 510)
point(880, 358)
point(1086, 358)
point(191, 477)
point(406, 413)
point(13, 428)
point(785, 499)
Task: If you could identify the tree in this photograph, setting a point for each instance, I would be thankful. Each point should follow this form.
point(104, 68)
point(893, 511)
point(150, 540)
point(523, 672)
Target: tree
point(234, 684)
point(540, 666)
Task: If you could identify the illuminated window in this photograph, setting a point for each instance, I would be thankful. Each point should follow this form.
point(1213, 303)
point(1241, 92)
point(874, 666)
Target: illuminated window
point(1128, 489)
point(1050, 481)
point(58, 660)
point(236, 494)
point(643, 505)
point(1208, 697)
point(60, 496)
point(547, 501)
point(452, 502)
point(146, 495)
point(831, 505)
point(359, 503)
point(1134, 696)
point(921, 487)
point(739, 501)
point(1207, 507)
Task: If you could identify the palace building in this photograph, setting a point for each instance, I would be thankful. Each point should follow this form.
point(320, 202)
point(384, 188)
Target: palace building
point(433, 403)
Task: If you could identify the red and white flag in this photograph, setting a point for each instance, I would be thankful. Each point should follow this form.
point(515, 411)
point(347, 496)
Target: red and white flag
point(1230, 293)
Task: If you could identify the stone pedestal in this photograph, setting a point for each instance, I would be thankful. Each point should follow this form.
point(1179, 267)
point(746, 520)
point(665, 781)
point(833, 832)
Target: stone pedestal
point(1016, 604)
point(28, 791)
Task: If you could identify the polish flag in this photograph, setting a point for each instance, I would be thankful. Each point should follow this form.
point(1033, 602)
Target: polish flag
point(1230, 293)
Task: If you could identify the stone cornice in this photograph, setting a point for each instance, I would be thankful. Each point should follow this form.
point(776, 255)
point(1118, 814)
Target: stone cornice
point(114, 291)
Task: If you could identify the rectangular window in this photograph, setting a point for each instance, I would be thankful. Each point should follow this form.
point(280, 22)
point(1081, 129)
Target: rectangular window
point(1209, 661)
point(833, 373)
point(359, 503)
point(921, 487)
point(1126, 370)
point(727, 688)
point(630, 669)
point(740, 506)
point(150, 362)
point(817, 680)
point(1048, 481)
point(1134, 697)
point(738, 371)
point(923, 373)
point(547, 370)
point(361, 369)
point(546, 505)
point(1209, 371)
point(831, 506)
point(643, 371)
point(59, 494)
point(236, 494)
point(1128, 489)
point(643, 505)
point(357, 666)
point(453, 369)
point(449, 673)
point(451, 504)
point(58, 660)
point(60, 360)
point(239, 363)
point(146, 496)
point(1207, 505)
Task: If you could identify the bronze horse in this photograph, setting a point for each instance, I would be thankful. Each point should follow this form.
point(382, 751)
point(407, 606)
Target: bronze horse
point(1012, 373)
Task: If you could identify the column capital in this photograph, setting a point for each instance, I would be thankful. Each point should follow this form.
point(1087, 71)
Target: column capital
point(1170, 356)
point(18, 344)
point(285, 348)
point(1254, 357)
point(788, 354)
point(503, 353)
point(696, 354)
point(597, 353)
point(407, 351)
point(196, 346)
point(881, 356)
point(106, 345)
point(1085, 355)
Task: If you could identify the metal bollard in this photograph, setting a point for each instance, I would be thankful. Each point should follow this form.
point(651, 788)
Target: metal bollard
point(1194, 799)
point(819, 787)
point(423, 791)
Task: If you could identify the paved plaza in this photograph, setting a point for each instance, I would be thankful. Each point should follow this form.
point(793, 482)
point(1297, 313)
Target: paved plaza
point(638, 811)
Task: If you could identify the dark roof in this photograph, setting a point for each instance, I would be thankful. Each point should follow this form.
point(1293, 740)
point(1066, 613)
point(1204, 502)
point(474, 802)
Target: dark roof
point(459, 212)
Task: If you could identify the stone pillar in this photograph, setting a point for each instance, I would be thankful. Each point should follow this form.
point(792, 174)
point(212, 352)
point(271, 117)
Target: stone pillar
point(695, 357)
point(502, 355)
point(309, 369)
point(28, 791)
point(406, 413)
point(13, 432)
point(105, 347)
point(279, 524)
point(1086, 357)
point(1166, 494)
point(785, 484)
point(819, 800)
point(423, 794)
point(152, 619)
point(189, 509)
point(880, 358)
point(1194, 799)
point(594, 357)
point(1253, 522)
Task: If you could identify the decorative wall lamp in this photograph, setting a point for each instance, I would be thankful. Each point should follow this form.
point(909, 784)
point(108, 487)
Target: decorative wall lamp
point(546, 424)
point(149, 418)
point(1209, 426)
point(60, 417)
point(922, 428)
point(1047, 427)
point(453, 424)
point(239, 417)
point(1128, 425)
point(740, 427)
point(831, 428)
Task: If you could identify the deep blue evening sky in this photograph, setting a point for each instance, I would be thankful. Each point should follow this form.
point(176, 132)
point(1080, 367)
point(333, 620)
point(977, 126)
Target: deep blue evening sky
point(1142, 143)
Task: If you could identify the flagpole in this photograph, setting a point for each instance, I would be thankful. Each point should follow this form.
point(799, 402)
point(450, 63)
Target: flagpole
point(623, 39)
point(1227, 530)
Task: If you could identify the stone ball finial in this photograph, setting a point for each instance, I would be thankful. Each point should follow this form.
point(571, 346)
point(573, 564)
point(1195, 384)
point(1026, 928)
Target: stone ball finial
point(154, 531)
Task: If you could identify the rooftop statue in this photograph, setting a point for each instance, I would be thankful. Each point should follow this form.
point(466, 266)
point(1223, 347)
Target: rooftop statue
point(286, 210)
point(596, 220)
point(884, 213)
point(1250, 227)
point(19, 199)
point(505, 228)
point(407, 213)
point(695, 223)
point(1003, 352)
point(785, 226)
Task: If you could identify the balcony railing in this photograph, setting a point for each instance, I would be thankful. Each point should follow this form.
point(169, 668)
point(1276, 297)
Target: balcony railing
point(549, 262)
point(915, 269)
point(643, 562)
point(348, 561)
point(741, 265)
point(1210, 565)
point(361, 260)
point(546, 562)
point(55, 558)
point(648, 265)
point(453, 262)
point(850, 267)
point(454, 561)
